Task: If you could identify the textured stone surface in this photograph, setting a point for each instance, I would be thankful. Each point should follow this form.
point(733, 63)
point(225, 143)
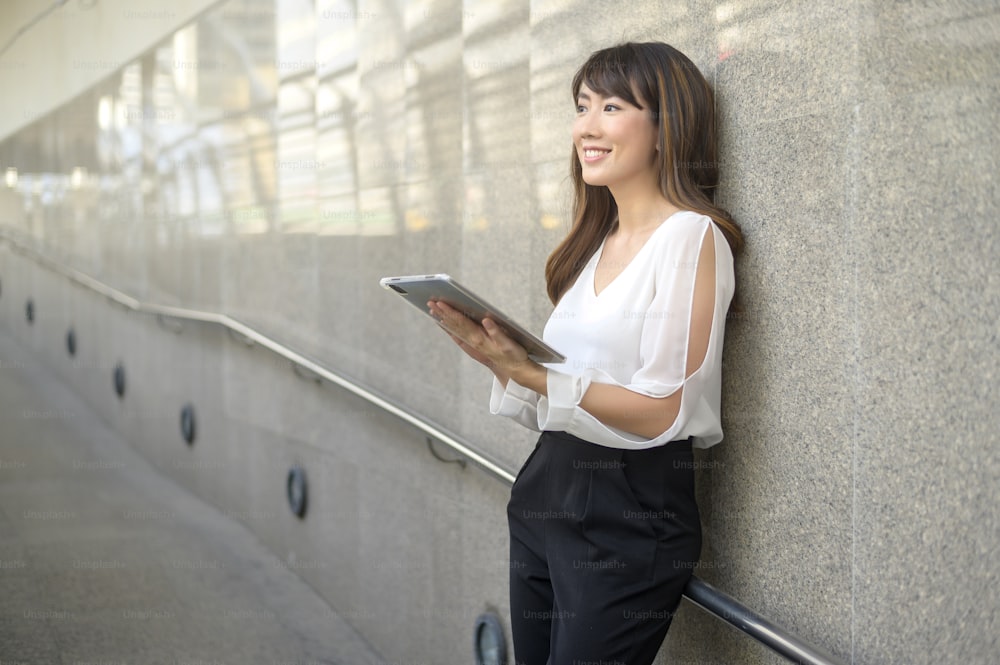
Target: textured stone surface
point(927, 464)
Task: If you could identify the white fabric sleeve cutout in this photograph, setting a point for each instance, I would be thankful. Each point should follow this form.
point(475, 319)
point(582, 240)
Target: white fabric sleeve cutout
point(663, 346)
point(515, 402)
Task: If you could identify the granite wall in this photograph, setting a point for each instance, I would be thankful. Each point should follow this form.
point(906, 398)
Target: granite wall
point(273, 160)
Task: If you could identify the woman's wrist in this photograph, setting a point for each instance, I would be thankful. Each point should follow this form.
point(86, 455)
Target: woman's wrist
point(531, 375)
point(502, 377)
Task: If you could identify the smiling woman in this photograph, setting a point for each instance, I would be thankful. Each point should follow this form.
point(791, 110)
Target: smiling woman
point(603, 522)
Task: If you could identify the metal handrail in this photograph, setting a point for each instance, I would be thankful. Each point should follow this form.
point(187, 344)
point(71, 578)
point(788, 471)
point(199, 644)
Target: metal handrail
point(699, 592)
point(723, 606)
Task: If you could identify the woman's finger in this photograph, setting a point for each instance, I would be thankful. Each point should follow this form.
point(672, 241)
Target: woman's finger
point(455, 319)
point(499, 337)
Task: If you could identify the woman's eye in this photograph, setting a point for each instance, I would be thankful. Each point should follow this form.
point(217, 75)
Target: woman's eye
point(581, 109)
point(611, 107)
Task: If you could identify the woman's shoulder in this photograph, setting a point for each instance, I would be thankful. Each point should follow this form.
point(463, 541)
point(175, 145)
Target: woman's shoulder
point(680, 236)
point(683, 233)
point(683, 224)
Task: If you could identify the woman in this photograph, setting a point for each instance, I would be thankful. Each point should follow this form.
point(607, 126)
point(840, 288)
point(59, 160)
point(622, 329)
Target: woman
point(604, 527)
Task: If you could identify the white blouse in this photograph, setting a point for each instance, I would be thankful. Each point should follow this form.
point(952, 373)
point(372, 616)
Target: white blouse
point(634, 334)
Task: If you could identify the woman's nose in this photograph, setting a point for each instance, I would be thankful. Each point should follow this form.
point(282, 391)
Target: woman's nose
point(587, 125)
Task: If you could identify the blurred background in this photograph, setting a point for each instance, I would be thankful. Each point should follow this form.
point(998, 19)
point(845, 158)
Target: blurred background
point(270, 160)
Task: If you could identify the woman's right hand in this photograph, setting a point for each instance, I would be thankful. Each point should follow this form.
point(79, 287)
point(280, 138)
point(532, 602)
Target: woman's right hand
point(473, 353)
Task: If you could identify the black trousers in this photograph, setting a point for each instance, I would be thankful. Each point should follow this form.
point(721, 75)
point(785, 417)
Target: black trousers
point(602, 542)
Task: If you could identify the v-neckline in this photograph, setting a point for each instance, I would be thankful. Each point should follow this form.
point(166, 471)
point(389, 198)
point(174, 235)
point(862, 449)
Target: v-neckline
point(600, 254)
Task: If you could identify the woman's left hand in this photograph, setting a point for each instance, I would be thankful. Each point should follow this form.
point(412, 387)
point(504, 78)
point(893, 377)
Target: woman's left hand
point(484, 342)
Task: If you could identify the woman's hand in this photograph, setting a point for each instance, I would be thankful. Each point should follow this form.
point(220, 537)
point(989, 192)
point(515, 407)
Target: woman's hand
point(484, 342)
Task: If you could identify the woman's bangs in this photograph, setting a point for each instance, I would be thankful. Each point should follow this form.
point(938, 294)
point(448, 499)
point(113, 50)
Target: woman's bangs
point(607, 77)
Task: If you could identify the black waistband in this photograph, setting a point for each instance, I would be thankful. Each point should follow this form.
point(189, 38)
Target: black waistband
point(676, 444)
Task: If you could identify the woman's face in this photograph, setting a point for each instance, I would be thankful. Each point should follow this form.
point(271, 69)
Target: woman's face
point(615, 141)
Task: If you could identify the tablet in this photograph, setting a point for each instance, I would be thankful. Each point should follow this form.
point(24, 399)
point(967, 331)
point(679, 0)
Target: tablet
point(418, 289)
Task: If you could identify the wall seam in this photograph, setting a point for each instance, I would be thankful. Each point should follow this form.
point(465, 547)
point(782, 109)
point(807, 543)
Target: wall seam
point(853, 162)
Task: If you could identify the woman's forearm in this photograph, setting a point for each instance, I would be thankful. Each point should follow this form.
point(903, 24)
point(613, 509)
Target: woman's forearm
point(615, 406)
point(624, 409)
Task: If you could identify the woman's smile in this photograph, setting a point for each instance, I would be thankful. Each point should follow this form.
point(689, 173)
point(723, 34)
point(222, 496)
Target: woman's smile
point(591, 155)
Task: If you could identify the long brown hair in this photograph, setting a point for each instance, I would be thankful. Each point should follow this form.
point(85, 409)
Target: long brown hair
point(681, 103)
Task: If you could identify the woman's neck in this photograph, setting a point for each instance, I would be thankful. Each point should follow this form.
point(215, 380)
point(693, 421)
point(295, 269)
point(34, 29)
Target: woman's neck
point(639, 214)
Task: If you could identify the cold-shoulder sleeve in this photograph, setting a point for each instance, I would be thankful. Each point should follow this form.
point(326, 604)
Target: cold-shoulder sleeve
point(680, 345)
